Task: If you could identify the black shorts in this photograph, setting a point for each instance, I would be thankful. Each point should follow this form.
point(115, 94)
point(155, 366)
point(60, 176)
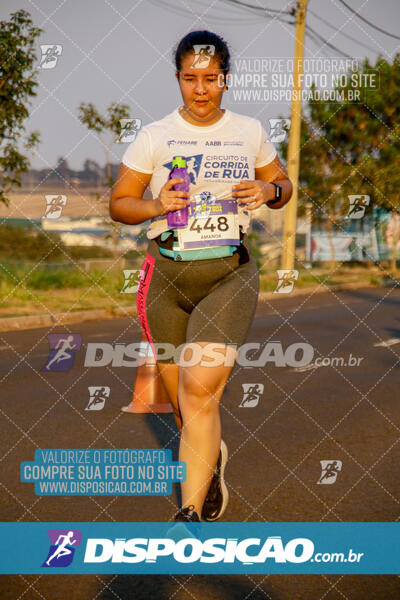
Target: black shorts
point(212, 300)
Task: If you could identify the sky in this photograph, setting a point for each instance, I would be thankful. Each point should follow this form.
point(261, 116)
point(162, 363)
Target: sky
point(121, 51)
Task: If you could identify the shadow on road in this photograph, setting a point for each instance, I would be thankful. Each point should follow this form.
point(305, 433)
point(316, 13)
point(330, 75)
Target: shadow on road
point(206, 587)
point(374, 295)
point(164, 429)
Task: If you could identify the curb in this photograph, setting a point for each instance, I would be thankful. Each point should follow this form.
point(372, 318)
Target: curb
point(317, 290)
point(49, 320)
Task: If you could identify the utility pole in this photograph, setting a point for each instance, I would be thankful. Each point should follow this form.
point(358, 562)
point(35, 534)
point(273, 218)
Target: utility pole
point(293, 158)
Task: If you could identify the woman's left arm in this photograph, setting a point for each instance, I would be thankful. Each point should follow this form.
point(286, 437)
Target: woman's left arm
point(261, 191)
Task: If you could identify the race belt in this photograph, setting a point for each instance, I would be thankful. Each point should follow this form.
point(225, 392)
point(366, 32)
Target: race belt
point(200, 254)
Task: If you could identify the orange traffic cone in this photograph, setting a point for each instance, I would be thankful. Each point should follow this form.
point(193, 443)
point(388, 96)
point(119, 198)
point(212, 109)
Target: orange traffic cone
point(149, 394)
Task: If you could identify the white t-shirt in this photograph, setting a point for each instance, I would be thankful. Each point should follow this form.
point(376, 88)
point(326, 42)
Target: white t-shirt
point(217, 156)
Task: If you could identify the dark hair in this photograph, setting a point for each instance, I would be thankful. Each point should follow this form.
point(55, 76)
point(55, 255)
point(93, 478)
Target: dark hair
point(205, 37)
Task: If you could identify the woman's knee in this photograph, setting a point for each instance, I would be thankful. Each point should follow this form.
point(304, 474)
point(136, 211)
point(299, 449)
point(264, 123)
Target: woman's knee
point(198, 393)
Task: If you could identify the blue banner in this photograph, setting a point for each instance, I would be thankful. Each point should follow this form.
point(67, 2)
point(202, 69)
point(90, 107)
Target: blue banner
point(208, 548)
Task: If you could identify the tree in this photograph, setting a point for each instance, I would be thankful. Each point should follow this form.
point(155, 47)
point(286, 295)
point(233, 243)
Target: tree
point(17, 86)
point(353, 147)
point(62, 169)
point(90, 116)
point(92, 172)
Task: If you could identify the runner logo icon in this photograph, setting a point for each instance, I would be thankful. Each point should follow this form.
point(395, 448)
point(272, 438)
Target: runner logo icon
point(251, 394)
point(50, 55)
point(129, 129)
point(62, 547)
point(329, 471)
point(97, 397)
point(62, 351)
point(54, 206)
point(357, 205)
point(202, 55)
point(287, 277)
point(278, 129)
point(131, 281)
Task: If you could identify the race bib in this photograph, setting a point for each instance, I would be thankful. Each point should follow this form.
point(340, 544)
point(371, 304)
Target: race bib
point(211, 223)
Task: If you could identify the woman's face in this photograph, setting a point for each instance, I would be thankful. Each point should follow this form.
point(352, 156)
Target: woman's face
point(201, 88)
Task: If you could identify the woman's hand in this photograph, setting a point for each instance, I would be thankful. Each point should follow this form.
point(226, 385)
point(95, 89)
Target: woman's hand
point(170, 199)
point(254, 192)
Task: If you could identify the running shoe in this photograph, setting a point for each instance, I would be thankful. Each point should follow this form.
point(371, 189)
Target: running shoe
point(187, 515)
point(217, 497)
point(186, 525)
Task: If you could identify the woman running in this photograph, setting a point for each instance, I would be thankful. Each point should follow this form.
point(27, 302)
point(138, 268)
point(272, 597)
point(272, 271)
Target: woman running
point(205, 296)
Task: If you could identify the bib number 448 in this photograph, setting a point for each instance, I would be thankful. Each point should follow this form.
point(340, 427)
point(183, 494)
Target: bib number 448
point(215, 225)
point(200, 225)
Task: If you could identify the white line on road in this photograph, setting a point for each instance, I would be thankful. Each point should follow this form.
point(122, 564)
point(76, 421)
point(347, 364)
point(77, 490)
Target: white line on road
point(387, 343)
point(309, 367)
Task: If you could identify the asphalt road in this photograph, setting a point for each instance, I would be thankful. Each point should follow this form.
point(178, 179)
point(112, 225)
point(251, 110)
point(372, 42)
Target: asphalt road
point(336, 413)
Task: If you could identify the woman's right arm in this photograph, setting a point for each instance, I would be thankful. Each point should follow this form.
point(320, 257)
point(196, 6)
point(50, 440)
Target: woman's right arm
point(127, 204)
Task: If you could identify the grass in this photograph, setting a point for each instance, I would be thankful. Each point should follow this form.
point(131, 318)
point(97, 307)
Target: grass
point(310, 278)
point(27, 291)
point(39, 291)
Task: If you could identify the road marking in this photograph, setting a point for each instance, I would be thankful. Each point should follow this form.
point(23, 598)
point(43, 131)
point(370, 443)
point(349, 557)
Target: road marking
point(309, 367)
point(388, 343)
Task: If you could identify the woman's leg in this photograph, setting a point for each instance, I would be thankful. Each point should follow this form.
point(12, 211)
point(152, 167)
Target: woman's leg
point(169, 375)
point(200, 389)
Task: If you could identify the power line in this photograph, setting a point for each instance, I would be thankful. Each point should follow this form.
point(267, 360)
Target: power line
point(308, 28)
point(265, 11)
point(396, 37)
point(317, 43)
point(342, 32)
point(237, 19)
point(326, 43)
point(320, 48)
point(183, 12)
point(273, 10)
point(245, 5)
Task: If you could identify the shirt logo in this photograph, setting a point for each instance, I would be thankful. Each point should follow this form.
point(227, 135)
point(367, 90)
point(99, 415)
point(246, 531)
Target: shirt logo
point(193, 164)
point(182, 142)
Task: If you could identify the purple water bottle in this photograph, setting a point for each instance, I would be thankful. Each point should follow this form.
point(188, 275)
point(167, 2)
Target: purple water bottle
point(179, 218)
